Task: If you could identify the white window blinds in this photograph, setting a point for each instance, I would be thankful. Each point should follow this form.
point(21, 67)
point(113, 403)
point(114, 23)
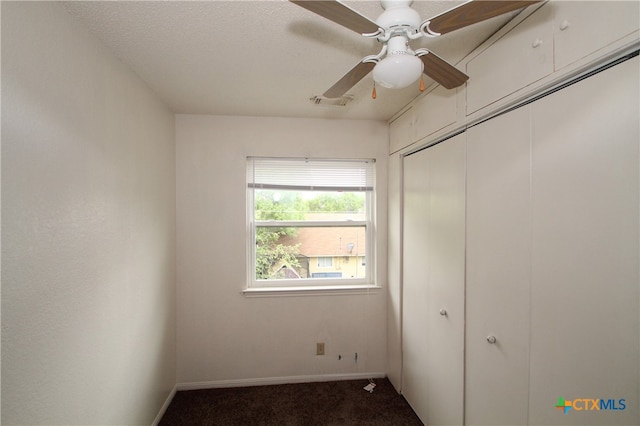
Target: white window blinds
point(310, 174)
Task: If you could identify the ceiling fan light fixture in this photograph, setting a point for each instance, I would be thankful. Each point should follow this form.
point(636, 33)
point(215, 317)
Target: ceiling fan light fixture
point(398, 71)
point(397, 65)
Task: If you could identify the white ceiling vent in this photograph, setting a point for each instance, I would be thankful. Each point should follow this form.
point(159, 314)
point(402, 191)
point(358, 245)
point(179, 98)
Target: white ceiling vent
point(341, 101)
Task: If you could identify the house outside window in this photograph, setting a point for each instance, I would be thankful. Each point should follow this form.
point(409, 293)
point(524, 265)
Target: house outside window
point(310, 222)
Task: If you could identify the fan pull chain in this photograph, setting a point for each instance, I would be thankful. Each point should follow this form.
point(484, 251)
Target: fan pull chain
point(421, 84)
point(374, 94)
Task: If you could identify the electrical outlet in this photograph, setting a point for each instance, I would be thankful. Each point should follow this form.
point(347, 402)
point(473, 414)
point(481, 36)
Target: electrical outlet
point(320, 348)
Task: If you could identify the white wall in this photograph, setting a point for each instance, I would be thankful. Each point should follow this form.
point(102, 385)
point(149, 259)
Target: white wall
point(224, 335)
point(88, 229)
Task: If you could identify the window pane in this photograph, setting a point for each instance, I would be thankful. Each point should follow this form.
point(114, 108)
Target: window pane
point(310, 252)
point(325, 262)
point(271, 204)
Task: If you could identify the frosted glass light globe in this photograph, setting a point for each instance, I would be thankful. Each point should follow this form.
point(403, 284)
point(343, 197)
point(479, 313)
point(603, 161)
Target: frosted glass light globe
point(398, 71)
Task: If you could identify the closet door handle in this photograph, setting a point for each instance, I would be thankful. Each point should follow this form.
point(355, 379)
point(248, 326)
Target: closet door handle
point(491, 339)
point(443, 312)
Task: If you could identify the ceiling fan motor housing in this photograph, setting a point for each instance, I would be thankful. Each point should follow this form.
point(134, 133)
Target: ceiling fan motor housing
point(388, 4)
point(398, 14)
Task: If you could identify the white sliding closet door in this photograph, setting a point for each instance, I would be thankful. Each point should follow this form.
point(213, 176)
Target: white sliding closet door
point(585, 274)
point(433, 282)
point(498, 270)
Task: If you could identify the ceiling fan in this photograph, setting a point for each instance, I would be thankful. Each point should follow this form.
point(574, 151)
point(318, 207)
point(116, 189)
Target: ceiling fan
point(396, 65)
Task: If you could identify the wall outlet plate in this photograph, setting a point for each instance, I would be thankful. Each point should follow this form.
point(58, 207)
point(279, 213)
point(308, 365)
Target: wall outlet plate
point(320, 348)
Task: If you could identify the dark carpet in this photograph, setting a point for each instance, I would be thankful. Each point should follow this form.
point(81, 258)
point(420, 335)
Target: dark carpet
point(326, 403)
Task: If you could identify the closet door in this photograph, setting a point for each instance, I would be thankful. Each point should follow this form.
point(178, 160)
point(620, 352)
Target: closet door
point(498, 270)
point(585, 277)
point(433, 282)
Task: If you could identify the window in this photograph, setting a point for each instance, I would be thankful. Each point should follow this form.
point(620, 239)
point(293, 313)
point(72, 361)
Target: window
point(325, 262)
point(310, 222)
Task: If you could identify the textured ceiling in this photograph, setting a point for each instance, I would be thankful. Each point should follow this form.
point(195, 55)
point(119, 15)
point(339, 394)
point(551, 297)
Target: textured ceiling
point(259, 58)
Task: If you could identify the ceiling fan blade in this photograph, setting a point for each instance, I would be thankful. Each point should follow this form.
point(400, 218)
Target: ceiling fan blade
point(349, 80)
point(443, 72)
point(340, 14)
point(470, 13)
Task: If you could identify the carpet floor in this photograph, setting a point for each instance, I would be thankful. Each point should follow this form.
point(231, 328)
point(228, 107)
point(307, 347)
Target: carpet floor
point(324, 403)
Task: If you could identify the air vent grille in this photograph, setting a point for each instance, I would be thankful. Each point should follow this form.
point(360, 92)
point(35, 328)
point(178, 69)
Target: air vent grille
point(341, 101)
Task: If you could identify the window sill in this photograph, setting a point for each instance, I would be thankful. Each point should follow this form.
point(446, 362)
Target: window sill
point(310, 290)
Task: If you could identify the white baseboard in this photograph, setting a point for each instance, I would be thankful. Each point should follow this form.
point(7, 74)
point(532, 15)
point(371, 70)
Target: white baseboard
point(163, 410)
point(277, 381)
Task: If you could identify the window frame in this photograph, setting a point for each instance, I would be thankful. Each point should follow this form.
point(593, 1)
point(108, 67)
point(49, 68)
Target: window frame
point(255, 285)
